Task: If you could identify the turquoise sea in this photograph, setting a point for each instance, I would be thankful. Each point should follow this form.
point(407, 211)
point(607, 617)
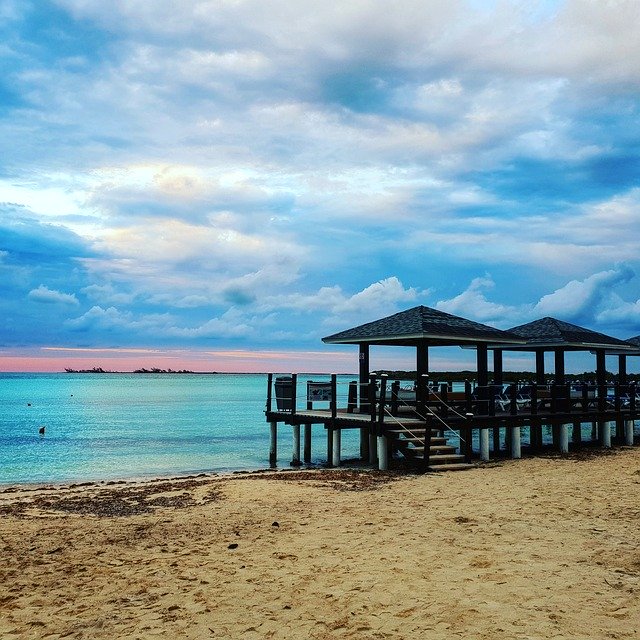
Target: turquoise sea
point(121, 426)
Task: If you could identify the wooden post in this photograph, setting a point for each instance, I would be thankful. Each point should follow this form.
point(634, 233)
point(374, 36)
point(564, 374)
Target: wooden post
point(334, 396)
point(329, 445)
point(373, 459)
point(363, 377)
point(622, 369)
point(540, 378)
point(422, 360)
point(497, 367)
point(495, 432)
point(337, 433)
point(576, 432)
point(395, 389)
point(383, 399)
point(273, 448)
point(269, 391)
point(352, 398)
point(484, 444)
point(559, 365)
point(516, 449)
point(295, 458)
point(482, 364)
point(364, 443)
point(294, 392)
point(383, 451)
point(307, 443)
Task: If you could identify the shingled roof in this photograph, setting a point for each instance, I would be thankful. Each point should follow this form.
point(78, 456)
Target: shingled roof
point(635, 341)
point(550, 332)
point(422, 325)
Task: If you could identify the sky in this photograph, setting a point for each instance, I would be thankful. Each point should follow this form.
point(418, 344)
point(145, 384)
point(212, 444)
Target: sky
point(218, 184)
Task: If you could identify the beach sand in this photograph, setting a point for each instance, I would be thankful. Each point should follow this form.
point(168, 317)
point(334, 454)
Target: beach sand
point(536, 548)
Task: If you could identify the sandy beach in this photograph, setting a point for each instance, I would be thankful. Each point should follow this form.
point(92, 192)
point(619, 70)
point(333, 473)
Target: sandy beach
point(537, 548)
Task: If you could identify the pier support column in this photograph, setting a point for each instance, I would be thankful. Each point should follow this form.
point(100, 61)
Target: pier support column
point(295, 458)
point(273, 445)
point(563, 439)
point(307, 443)
point(383, 454)
point(373, 457)
point(516, 450)
point(484, 444)
point(364, 443)
point(337, 433)
point(628, 432)
point(576, 433)
point(329, 447)
point(496, 439)
point(605, 434)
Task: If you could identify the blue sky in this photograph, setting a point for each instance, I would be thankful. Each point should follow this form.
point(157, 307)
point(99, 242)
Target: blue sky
point(225, 182)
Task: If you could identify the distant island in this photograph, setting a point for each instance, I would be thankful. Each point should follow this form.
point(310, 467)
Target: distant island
point(143, 370)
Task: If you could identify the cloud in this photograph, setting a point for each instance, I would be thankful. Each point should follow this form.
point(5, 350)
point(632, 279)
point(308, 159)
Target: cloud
point(581, 300)
point(49, 296)
point(338, 308)
point(472, 303)
point(591, 302)
point(258, 171)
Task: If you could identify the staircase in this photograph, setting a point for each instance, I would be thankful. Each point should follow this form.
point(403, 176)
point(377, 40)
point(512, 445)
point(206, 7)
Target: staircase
point(442, 457)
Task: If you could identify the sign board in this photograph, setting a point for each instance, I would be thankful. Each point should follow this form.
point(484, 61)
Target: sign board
point(319, 392)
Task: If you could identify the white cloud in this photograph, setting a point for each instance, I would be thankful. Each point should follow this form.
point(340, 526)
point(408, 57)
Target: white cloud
point(51, 296)
point(581, 299)
point(592, 301)
point(472, 303)
point(338, 308)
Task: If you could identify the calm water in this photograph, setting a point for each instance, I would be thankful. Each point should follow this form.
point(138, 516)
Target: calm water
point(108, 426)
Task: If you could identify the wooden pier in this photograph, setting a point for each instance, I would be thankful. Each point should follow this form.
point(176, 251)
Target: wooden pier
point(419, 420)
point(422, 428)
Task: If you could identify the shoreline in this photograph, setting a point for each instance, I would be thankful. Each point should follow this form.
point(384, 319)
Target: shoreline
point(356, 465)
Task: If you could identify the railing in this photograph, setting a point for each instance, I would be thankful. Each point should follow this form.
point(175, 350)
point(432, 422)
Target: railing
point(422, 398)
point(285, 390)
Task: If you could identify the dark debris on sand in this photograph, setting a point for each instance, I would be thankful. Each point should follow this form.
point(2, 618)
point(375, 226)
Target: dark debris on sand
point(115, 502)
point(342, 480)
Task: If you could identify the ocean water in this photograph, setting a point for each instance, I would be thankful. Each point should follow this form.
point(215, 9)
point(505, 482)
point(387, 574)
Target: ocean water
point(121, 426)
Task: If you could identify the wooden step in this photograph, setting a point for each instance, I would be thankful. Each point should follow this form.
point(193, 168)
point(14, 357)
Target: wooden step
point(439, 468)
point(435, 449)
point(445, 458)
point(418, 431)
point(436, 442)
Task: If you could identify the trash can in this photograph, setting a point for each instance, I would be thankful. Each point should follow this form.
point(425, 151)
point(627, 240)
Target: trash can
point(284, 391)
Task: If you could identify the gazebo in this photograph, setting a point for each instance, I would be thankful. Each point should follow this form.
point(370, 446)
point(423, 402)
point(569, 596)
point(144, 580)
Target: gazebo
point(557, 336)
point(421, 328)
